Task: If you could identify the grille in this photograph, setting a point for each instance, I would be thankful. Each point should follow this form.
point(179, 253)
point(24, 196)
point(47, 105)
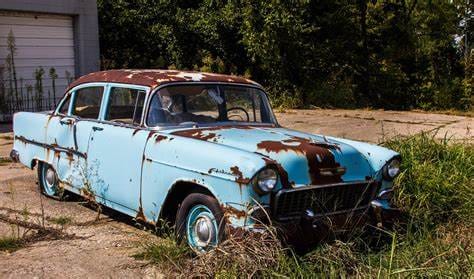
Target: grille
point(323, 199)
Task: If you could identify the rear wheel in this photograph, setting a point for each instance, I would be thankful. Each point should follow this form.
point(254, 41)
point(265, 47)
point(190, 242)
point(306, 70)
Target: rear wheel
point(200, 222)
point(48, 181)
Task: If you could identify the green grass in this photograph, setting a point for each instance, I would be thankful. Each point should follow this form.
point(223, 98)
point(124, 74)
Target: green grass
point(167, 253)
point(10, 244)
point(5, 161)
point(436, 190)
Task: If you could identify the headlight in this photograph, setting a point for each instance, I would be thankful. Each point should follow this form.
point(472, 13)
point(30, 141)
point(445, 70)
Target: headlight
point(392, 169)
point(265, 181)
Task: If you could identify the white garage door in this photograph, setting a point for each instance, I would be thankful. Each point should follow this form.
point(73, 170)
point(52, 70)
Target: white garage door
point(43, 42)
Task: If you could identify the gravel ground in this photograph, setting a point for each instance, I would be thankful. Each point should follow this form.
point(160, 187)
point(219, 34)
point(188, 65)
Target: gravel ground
point(87, 246)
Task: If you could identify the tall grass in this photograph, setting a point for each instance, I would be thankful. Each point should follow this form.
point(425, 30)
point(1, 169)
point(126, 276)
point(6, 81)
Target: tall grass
point(436, 191)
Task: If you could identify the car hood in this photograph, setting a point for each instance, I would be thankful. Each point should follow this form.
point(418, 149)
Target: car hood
point(301, 158)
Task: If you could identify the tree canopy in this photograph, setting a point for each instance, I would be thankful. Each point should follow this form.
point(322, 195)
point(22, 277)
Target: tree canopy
point(397, 54)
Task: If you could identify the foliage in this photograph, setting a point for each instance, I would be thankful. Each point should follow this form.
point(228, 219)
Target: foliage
point(435, 189)
point(398, 54)
point(10, 244)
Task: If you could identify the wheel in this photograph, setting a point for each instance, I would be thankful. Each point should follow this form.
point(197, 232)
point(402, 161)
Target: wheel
point(48, 181)
point(200, 222)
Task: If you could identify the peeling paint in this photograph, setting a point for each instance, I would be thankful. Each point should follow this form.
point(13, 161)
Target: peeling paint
point(318, 156)
point(155, 78)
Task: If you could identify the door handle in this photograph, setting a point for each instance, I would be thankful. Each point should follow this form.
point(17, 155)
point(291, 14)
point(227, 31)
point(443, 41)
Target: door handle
point(66, 121)
point(95, 128)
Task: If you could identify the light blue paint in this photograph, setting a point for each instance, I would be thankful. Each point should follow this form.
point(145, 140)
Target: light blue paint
point(132, 170)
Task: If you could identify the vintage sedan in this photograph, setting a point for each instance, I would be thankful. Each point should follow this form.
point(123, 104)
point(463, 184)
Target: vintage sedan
point(204, 152)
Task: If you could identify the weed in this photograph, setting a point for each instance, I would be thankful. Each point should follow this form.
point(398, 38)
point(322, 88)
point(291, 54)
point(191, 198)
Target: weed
point(436, 190)
point(10, 244)
point(5, 161)
point(167, 253)
point(62, 221)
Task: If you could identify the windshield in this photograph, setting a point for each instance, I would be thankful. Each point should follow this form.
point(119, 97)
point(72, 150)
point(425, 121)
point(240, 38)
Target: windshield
point(202, 104)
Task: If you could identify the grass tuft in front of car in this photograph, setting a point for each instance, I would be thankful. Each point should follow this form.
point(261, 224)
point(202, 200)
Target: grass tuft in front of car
point(434, 239)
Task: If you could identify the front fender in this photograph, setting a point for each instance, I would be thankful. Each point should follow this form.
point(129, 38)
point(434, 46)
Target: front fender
point(377, 156)
point(225, 171)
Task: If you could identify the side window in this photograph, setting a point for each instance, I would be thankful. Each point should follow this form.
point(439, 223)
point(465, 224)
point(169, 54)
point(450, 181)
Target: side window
point(125, 105)
point(64, 109)
point(87, 102)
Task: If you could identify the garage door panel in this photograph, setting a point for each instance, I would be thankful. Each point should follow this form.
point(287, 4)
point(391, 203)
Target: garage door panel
point(44, 20)
point(45, 52)
point(23, 31)
point(44, 62)
point(37, 42)
point(41, 40)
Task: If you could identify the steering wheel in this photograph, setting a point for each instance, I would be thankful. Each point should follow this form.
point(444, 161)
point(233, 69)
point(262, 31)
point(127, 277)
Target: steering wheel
point(241, 109)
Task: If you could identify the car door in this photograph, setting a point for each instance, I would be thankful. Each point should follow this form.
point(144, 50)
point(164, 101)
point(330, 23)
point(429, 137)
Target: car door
point(116, 145)
point(69, 129)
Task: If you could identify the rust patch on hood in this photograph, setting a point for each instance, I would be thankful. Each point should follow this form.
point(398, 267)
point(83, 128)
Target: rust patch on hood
point(318, 155)
point(196, 134)
point(206, 133)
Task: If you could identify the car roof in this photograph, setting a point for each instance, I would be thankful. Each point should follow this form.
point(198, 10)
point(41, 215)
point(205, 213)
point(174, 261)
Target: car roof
point(154, 78)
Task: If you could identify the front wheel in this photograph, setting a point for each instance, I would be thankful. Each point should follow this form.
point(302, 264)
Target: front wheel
point(200, 221)
point(48, 181)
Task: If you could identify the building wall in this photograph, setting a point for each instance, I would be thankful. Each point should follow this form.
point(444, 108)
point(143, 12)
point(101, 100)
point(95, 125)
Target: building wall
point(86, 29)
point(60, 37)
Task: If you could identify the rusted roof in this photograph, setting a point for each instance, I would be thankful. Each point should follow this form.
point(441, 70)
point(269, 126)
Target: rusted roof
point(154, 78)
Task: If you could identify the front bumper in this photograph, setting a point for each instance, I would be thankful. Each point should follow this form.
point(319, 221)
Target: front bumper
point(311, 228)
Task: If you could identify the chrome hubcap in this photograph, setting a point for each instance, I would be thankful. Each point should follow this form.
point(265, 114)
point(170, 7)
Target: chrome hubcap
point(50, 177)
point(203, 230)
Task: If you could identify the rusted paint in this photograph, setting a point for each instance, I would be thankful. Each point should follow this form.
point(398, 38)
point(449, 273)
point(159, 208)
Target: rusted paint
point(51, 146)
point(285, 182)
point(155, 78)
point(150, 134)
point(207, 134)
point(196, 134)
point(239, 176)
point(140, 215)
point(317, 154)
point(160, 138)
point(230, 211)
point(87, 194)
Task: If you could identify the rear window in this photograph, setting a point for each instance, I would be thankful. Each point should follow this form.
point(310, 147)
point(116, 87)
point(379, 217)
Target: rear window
point(87, 102)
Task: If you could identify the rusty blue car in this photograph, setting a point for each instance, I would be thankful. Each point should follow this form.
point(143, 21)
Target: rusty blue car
point(204, 152)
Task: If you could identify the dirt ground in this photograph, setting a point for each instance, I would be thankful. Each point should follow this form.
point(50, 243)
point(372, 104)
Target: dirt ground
point(66, 239)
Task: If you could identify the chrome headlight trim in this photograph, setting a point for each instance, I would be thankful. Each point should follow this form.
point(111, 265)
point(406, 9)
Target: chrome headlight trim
point(385, 194)
point(391, 169)
point(265, 181)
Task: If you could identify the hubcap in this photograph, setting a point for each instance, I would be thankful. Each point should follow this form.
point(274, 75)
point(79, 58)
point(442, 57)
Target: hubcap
point(49, 181)
point(50, 177)
point(201, 229)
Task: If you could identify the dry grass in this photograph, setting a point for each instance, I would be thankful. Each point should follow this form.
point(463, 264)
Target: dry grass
point(436, 188)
